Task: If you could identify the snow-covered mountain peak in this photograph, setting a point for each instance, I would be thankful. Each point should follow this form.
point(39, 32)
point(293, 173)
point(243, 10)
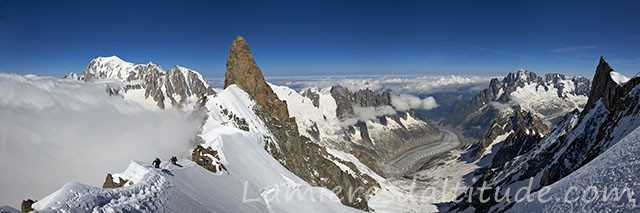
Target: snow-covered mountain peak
point(110, 67)
point(146, 83)
point(520, 75)
point(151, 64)
point(554, 77)
point(185, 71)
point(113, 59)
point(549, 97)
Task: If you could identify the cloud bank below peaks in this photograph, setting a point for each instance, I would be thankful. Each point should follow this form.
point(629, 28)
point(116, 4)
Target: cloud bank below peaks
point(54, 131)
point(399, 103)
point(416, 85)
point(404, 102)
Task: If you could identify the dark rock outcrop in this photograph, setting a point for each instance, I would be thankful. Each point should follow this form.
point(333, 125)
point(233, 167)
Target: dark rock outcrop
point(607, 90)
point(527, 129)
point(304, 158)
point(110, 184)
point(343, 101)
point(27, 204)
point(314, 97)
point(367, 160)
point(367, 98)
point(200, 156)
point(363, 98)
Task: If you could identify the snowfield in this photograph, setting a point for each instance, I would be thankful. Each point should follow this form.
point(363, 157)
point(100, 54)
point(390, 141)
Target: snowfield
point(591, 188)
point(548, 103)
point(190, 188)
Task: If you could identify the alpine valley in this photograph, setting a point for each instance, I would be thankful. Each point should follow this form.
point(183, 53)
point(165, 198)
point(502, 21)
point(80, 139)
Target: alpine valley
point(259, 146)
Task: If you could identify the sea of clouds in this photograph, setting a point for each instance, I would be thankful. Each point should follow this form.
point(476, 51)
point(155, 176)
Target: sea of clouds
point(53, 131)
point(414, 85)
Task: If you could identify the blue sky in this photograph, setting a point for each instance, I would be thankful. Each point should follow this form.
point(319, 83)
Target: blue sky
point(301, 38)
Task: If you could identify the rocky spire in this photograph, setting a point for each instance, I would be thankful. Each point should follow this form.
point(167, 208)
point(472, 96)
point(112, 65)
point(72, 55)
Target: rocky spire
point(602, 86)
point(240, 64)
point(243, 71)
point(305, 159)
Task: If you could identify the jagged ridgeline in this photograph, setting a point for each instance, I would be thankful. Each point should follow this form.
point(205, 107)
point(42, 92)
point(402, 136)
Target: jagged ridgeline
point(546, 157)
point(176, 87)
point(304, 158)
point(549, 97)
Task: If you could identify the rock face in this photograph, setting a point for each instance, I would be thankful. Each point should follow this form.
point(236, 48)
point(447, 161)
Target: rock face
point(315, 98)
point(173, 88)
point(343, 101)
point(381, 144)
point(363, 98)
point(243, 71)
point(298, 154)
point(207, 158)
point(612, 112)
point(522, 130)
point(606, 89)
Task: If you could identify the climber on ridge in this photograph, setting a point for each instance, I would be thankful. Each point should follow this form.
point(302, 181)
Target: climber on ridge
point(174, 160)
point(156, 163)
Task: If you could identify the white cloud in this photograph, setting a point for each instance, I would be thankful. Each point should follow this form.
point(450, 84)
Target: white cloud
point(53, 131)
point(400, 103)
point(429, 103)
point(367, 113)
point(406, 102)
point(500, 106)
point(416, 85)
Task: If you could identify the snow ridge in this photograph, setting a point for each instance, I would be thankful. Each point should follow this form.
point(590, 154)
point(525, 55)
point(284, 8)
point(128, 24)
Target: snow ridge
point(254, 180)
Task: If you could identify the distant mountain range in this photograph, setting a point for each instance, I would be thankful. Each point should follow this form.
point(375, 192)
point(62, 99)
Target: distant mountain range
point(330, 140)
point(176, 87)
point(526, 149)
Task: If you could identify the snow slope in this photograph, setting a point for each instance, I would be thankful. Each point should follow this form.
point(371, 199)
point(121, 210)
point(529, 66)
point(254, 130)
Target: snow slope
point(252, 176)
point(591, 187)
point(307, 115)
point(618, 78)
point(190, 188)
